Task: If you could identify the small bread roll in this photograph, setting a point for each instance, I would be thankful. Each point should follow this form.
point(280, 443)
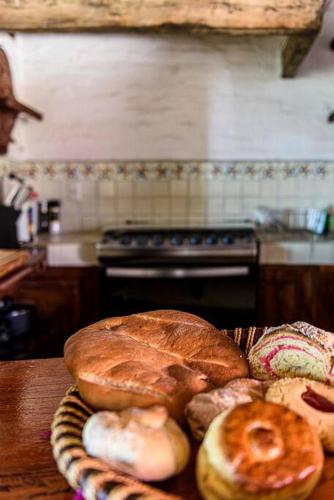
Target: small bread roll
point(204, 407)
point(259, 451)
point(145, 443)
point(312, 400)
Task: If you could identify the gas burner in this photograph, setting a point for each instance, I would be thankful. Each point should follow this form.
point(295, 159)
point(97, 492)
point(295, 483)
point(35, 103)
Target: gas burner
point(176, 243)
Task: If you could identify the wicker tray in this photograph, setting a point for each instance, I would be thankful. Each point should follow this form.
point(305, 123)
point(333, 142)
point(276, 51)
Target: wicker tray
point(93, 477)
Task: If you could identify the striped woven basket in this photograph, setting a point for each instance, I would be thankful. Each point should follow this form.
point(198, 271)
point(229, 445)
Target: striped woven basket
point(94, 478)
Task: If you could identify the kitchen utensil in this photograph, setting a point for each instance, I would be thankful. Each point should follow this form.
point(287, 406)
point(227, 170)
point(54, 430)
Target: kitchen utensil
point(15, 184)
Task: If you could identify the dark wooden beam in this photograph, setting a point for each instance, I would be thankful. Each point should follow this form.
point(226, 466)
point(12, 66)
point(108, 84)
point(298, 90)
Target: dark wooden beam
point(294, 51)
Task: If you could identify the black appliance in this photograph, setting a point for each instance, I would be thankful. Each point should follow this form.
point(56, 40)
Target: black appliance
point(8, 234)
point(17, 330)
point(211, 272)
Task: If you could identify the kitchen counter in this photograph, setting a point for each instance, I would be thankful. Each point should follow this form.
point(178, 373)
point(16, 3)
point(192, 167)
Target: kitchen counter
point(295, 247)
point(70, 249)
point(30, 392)
point(287, 247)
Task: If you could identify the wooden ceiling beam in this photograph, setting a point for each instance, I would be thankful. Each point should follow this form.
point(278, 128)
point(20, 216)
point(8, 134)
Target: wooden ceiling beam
point(235, 17)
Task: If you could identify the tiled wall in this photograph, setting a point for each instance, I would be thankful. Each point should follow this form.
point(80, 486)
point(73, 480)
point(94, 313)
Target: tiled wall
point(95, 195)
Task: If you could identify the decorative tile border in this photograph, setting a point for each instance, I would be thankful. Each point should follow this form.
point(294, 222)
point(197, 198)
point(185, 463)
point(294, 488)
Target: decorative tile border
point(171, 170)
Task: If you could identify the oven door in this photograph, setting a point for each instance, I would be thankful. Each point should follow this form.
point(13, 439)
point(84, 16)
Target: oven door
point(224, 295)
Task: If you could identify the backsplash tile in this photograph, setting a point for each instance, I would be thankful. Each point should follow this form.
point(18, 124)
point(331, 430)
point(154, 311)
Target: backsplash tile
point(95, 195)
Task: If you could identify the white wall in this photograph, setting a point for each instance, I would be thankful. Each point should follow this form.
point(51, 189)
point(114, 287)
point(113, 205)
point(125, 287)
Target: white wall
point(123, 96)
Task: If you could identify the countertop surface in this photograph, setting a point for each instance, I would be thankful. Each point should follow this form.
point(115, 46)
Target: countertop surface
point(30, 392)
point(263, 235)
point(276, 247)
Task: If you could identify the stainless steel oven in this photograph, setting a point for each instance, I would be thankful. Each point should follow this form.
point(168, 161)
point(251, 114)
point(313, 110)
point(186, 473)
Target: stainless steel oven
point(209, 272)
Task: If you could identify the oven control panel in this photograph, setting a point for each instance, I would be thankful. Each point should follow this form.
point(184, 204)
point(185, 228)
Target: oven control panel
point(178, 241)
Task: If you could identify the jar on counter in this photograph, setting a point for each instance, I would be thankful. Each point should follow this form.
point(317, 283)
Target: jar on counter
point(54, 216)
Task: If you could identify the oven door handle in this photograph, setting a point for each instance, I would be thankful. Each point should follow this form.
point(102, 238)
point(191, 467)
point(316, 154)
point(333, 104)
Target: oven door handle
point(177, 272)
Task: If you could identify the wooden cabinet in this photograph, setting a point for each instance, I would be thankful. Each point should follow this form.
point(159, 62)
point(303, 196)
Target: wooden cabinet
point(293, 293)
point(284, 294)
point(323, 297)
point(66, 299)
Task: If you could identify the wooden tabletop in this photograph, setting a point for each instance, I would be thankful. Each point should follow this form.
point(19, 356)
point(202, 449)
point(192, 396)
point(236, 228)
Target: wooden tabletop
point(30, 392)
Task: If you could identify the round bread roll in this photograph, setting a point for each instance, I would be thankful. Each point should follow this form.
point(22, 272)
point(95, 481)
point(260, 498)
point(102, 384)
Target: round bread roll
point(155, 358)
point(297, 350)
point(204, 407)
point(312, 400)
point(144, 443)
point(259, 451)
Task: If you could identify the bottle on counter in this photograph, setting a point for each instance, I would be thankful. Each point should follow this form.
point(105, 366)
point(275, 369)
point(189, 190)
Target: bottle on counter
point(27, 222)
point(43, 217)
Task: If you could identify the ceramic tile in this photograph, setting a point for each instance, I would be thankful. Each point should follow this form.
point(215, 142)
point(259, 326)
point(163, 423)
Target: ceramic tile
point(124, 206)
point(106, 189)
point(161, 207)
point(214, 206)
point(250, 188)
point(232, 205)
point(160, 188)
point(178, 205)
point(142, 188)
point(269, 188)
point(124, 188)
point(89, 223)
point(142, 206)
point(231, 188)
point(214, 188)
point(197, 206)
point(197, 187)
point(179, 188)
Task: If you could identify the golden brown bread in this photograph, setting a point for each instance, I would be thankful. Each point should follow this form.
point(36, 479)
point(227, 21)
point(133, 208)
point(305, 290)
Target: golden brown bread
point(259, 451)
point(204, 407)
point(160, 357)
point(312, 400)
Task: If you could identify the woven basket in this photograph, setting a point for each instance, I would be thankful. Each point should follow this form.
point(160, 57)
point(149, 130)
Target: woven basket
point(92, 476)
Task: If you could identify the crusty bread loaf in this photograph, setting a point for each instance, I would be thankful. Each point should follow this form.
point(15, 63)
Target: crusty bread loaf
point(160, 357)
point(259, 451)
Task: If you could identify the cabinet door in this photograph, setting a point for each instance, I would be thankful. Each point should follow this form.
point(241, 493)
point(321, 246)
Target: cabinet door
point(285, 294)
point(324, 298)
point(66, 299)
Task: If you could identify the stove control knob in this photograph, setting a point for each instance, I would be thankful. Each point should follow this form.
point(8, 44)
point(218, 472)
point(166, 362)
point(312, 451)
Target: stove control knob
point(142, 241)
point(212, 239)
point(157, 240)
point(125, 240)
point(228, 239)
point(195, 240)
point(176, 240)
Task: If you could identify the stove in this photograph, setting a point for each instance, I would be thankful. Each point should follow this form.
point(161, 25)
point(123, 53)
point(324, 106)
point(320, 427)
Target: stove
point(208, 271)
point(178, 244)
